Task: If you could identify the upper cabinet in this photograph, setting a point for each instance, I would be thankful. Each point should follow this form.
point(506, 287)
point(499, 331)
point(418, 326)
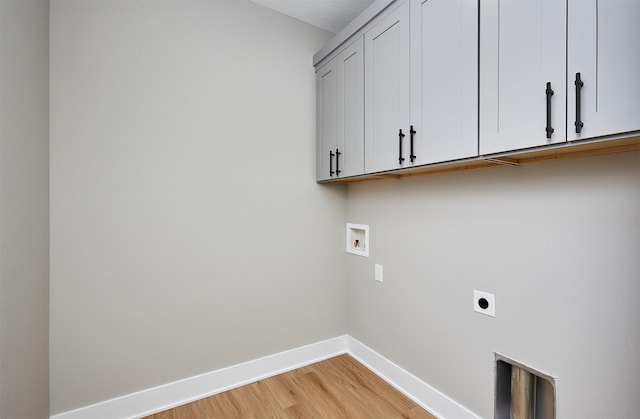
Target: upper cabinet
point(327, 119)
point(412, 86)
point(387, 136)
point(603, 67)
point(552, 71)
point(444, 79)
point(522, 74)
point(421, 78)
point(351, 109)
point(340, 114)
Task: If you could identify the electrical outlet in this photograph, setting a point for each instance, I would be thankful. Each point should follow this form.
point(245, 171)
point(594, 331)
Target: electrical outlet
point(484, 303)
point(378, 276)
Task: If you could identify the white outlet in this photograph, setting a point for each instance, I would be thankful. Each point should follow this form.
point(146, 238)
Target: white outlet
point(484, 303)
point(379, 273)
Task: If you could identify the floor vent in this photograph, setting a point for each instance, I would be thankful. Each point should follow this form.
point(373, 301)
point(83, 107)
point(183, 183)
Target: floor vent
point(523, 392)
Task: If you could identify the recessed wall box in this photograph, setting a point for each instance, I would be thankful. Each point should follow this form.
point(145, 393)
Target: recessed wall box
point(523, 392)
point(358, 239)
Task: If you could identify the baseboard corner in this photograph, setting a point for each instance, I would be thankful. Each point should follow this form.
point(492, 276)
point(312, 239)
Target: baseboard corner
point(167, 396)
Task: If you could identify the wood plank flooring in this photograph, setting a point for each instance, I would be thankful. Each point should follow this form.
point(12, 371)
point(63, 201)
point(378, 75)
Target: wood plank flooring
point(337, 388)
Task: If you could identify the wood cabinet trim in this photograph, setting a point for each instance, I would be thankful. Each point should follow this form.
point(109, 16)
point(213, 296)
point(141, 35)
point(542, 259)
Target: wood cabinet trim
point(570, 150)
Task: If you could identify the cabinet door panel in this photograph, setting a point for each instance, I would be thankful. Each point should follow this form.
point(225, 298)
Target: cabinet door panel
point(444, 84)
point(387, 90)
point(327, 119)
point(603, 48)
point(351, 109)
point(522, 47)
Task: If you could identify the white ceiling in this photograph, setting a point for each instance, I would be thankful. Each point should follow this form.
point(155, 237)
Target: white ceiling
point(331, 15)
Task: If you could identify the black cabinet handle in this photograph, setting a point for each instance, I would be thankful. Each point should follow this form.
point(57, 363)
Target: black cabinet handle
point(549, 93)
point(412, 156)
point(400, 137)
point(338, 161)
point(331, 172)
point(579, 85)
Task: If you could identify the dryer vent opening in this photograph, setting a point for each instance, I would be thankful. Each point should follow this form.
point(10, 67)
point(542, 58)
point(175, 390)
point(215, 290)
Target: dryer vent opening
point(522, 392)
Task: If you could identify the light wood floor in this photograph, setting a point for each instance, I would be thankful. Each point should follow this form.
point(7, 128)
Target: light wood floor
point(339, 387)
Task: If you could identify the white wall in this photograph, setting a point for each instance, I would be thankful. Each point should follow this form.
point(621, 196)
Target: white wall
point(187, 231)
point(24, 209)
point(559, 246)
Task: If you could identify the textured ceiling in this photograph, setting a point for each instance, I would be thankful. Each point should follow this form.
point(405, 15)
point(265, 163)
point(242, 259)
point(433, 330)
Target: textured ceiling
point(331, 15)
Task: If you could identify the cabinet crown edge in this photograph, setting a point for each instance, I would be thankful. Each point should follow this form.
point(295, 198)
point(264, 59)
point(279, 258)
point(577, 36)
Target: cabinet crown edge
point(351, 29)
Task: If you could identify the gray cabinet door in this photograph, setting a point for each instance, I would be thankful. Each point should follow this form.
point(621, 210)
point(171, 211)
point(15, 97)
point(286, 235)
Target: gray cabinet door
point(522, 49)
point(350, 158)
point(327, 120)
point(444, 79)
point(604, 49)
point(387, 92)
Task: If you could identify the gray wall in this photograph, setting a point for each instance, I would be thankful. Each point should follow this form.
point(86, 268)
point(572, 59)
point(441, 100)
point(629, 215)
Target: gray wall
point(559, 245)
point(187, 231)
point(24, 209)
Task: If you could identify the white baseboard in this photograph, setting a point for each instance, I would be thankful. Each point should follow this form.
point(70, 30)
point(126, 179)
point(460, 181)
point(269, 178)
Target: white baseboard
point(174, 394)
point(432, 400)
